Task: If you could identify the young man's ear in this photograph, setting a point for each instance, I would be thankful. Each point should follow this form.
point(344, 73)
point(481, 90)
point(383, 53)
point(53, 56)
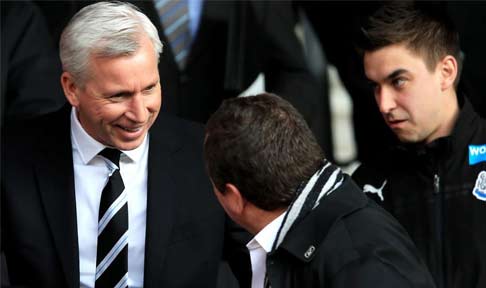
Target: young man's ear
point(448, 71)
point(70, 88)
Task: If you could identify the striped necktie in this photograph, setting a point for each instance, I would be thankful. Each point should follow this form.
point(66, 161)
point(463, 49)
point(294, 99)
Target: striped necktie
point(266, 282)
point(112, 249)
point(174, 16)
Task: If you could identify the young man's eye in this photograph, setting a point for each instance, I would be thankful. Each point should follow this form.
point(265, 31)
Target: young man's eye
point(398, 82)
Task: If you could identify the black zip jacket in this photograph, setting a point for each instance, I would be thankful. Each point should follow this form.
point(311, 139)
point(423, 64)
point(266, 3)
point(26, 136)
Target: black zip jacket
point(438, 193)
point(346, 242)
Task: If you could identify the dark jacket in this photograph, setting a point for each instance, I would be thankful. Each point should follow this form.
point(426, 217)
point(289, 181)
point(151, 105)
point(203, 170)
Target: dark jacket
point(429, 189)
point(347, 241)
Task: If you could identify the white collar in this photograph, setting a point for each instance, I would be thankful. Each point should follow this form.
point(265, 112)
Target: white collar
point(267, 235)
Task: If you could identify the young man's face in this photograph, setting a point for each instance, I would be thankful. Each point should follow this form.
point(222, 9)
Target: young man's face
point(408, 94)
point(121, 98)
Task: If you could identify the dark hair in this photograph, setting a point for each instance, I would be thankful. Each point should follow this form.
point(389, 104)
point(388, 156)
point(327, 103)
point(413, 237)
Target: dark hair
point(422, 27)
point(263, 146)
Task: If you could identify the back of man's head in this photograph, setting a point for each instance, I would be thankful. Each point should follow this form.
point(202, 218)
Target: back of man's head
point(421, 27)
point(104, 29)
point(263, 146)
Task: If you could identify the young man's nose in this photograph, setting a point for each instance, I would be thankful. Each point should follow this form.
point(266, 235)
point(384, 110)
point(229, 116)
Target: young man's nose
point(385, 100)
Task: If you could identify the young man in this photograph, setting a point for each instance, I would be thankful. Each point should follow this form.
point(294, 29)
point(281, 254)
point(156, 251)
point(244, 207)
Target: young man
point(434, 183)
point(313, 226)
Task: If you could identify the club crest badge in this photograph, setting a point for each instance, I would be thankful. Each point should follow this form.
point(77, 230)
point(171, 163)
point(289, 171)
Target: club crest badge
point(479, 190)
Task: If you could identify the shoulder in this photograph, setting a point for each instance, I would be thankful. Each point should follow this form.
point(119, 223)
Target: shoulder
point(469, 123)
point(34, 131)
point(373, 226)
point(372, 180)
point(370, 242)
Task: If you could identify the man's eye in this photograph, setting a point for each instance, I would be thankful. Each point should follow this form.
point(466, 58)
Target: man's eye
point(398, 82)
point(117, 96)
point(150, 88)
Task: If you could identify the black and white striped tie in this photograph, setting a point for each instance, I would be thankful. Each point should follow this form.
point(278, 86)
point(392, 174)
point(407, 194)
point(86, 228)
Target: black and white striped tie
point(174, 15)
point(112, 249)
point(266, 282)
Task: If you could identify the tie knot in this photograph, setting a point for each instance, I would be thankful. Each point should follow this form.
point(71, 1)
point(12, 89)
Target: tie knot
point(111, 154)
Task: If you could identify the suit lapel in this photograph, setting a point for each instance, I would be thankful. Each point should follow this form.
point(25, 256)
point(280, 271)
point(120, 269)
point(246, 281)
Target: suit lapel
point(54, 172)
point(160, 202)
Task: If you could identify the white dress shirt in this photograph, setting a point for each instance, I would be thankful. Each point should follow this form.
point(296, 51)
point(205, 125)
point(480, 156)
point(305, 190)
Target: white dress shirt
point(259, 246)
point(91, 173)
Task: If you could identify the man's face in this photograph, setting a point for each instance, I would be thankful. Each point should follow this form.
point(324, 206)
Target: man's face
point(408, 95)
point(121, 97)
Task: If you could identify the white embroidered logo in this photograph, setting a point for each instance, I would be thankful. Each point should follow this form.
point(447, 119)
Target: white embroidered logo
point(372, 189)
point(479, 190)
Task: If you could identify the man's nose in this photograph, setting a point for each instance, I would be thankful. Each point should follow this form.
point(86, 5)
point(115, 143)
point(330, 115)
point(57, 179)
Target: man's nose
point(137, 112)
point(385, 100)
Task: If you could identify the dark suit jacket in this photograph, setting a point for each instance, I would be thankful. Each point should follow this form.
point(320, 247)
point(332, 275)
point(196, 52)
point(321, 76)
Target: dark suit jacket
point(185, 224)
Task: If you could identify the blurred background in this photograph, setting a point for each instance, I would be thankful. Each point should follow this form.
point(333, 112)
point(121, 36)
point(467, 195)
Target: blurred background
point(301, 50)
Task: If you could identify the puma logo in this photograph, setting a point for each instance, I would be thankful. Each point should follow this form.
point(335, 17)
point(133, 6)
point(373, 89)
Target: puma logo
point(372, 189)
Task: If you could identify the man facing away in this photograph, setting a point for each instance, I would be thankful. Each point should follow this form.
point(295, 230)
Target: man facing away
point(312, 226)
point(434, 183)
point(90, 197)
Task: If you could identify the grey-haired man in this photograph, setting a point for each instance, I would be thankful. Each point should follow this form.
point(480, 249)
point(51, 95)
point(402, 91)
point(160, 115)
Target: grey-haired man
point(73, 215)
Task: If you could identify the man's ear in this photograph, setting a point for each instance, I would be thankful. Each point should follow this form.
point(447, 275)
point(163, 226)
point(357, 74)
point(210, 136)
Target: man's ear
point(70, 88)
point(235, 202)
point(448, 72)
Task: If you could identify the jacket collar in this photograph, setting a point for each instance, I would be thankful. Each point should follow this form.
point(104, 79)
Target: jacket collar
point(306, 238)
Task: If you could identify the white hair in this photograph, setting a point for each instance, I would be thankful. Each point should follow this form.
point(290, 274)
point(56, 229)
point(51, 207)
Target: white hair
point(104, 29)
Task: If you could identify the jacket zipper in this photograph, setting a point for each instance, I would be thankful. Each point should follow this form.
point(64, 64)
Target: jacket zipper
point(438, 231)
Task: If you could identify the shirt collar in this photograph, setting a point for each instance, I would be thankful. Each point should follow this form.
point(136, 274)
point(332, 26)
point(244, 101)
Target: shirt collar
point(267, 235)
point(88, 147)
